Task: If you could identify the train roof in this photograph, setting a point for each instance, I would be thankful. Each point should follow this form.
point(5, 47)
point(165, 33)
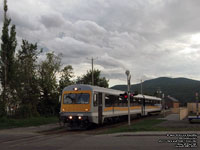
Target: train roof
point(93, 88)
point(147, 97)
point(105, 90)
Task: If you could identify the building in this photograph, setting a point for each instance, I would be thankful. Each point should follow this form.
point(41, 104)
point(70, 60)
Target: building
point(171, 102)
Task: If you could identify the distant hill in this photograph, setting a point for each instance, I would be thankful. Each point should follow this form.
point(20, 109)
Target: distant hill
point(182, 89)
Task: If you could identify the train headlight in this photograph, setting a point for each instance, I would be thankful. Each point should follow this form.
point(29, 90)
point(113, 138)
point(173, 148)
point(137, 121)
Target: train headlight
point(86, 109)
point(75, 89)
point(70, 117)
point(63, 109)
point(79, 117)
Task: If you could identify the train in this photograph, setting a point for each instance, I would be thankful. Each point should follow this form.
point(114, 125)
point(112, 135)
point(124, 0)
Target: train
point(83, 105)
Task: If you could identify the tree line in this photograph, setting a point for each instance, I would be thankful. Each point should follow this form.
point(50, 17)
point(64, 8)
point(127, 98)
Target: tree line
point(29, 87)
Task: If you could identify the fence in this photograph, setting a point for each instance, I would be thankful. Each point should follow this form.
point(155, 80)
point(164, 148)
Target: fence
point(183, 113)
point(192, 107)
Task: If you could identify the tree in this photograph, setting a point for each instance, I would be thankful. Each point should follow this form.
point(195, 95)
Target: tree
point(8, 46)
point(26, 80)
point(98, 81)
point(48, 85)
point(65, 79)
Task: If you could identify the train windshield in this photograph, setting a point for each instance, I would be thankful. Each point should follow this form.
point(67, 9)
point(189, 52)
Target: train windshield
point(76, 98)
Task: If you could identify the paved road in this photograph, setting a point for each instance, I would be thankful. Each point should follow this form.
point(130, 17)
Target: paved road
point(30, 139)
point(82, 141)
point(174, 117)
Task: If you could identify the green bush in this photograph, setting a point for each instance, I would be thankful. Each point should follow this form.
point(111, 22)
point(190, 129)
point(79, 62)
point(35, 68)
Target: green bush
point(27, 111)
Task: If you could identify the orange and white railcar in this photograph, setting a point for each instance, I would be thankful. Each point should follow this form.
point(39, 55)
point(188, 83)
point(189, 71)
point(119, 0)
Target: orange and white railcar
point(85, 104)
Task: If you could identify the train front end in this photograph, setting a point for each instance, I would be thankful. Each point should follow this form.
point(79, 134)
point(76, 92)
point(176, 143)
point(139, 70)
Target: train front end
point(76, 106)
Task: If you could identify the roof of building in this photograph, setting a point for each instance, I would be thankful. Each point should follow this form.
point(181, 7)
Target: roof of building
point(172, 98)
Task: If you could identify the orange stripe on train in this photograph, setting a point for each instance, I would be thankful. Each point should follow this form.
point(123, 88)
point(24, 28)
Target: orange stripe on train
point(126, 108)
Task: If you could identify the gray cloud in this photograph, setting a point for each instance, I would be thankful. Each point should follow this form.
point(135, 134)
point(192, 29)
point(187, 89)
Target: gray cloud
point(49, 20)
point(150, 38)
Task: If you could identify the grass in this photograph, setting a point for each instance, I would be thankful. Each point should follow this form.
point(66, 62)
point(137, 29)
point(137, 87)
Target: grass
point(151, 124)
point(143, 125)
point(35, 121)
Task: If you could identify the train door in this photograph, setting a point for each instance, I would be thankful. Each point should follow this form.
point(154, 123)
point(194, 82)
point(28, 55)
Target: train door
point(100, 109)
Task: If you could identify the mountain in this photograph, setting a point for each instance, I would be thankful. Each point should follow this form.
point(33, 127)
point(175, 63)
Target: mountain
point(182, 89)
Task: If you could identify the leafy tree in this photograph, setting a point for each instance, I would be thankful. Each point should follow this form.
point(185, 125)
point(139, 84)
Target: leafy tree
point(2, 107)
point(7, 70)
point(98, 81)
point(48, 85)
point(65, 79)
point(26, 80)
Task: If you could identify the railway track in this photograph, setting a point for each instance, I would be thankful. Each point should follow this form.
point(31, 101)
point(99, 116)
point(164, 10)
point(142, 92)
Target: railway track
point(94, 129)
point(59, 132)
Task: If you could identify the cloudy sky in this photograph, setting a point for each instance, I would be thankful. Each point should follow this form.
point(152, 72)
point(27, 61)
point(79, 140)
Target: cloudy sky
point(151, 38)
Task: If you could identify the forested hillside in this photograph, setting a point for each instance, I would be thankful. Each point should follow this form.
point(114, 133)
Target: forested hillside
point(182, 89)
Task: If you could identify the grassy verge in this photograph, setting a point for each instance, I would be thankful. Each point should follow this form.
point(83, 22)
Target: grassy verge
point(36, 121)
point(149, 125)
point(143, 125)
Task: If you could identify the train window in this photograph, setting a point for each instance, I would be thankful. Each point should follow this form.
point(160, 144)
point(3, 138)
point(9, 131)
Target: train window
point(69, 98)
point(110, 100)
point(82, 98)
point(117, 100)
point(114, 101)
point(124, 103)
point(132, 101)
point(135, 101)
point(78, 98)
point(120, 99)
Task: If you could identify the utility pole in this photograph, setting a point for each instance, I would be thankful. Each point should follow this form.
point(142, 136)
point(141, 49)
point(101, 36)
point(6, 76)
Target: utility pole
point(141, 87)
point(92, 71)
point(128, 90)
point(163, 99)
point(197, 104)
point(92, 60)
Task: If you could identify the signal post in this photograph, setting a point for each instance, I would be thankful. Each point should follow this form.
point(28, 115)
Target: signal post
point(128, 90)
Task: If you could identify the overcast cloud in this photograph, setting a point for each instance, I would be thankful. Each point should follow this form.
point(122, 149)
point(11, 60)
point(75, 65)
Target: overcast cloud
point(151, 38)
